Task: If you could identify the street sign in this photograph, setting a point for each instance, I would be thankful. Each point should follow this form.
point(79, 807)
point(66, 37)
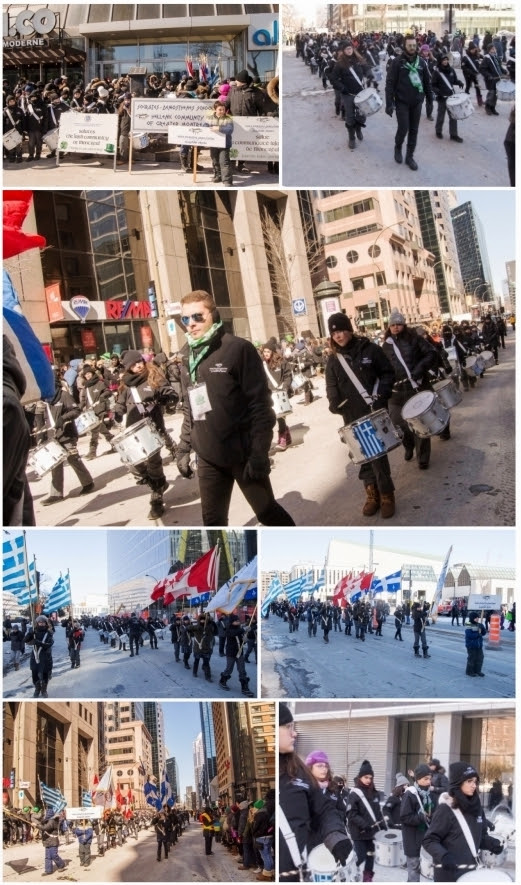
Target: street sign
point(21, 794)
point(299, 307)
point(171, 327)
point(24, 785)
point(484, 600)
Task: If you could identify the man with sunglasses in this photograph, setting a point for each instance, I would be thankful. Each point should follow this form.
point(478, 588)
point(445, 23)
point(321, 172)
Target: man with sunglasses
point(228, 416)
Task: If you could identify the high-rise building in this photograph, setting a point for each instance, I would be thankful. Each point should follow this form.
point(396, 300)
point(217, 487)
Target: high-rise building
point(438, 237)
point(172, 770)
point(128, 746)
point(438, 17)
point(154, 721)
point(53, 743)
point(199, 769)
point(208, 736)
point(511, 285)
point(473, 255)
point(374, 251)
point(245, 744)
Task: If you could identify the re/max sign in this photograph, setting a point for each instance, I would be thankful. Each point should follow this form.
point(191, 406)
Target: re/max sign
point(131, 310)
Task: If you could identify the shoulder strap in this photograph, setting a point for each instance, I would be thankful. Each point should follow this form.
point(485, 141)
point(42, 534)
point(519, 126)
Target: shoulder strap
point(443, 77)
point(355, 75)
point(354, 380)
point(366, 803)
point(401, 359)
point(291, 840)
point(458, 814)
point(270, 376)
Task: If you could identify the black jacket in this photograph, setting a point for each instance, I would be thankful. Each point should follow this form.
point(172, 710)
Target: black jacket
point(343, 79)
point(241, 421)
point(150, 397)
point(234, 641)
point(445, 836)
point(64, 410)
point(370, 365)
point(246, 102)
point(491, 70)
point(95, 395)
point(418, 354)
point(414, 819)
point(398, 87)
point(359, 821)
point(439, 86)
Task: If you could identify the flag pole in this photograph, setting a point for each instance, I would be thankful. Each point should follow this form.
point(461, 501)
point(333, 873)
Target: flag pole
point(26, 570)
point(249, 625)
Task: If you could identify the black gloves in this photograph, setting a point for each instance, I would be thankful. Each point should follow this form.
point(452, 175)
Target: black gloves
point(496, 847)
point(449, 862)
point(118, 418)
point(379, 403)
point(389, 110)
point(183, 464)
point(342, 850)
point(257, 467)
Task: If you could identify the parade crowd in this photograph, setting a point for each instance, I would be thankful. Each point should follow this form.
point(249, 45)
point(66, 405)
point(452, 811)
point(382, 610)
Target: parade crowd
point(413, 70)
point(438, 818)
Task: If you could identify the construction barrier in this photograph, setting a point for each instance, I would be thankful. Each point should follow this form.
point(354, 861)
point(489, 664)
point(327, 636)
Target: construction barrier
point(494, 632)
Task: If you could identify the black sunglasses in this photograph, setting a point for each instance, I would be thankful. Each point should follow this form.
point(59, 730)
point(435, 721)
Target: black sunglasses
point(196, 317)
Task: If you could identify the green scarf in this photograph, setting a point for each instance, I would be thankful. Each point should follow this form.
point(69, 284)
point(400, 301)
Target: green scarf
point(414, 77)
point(204, 343)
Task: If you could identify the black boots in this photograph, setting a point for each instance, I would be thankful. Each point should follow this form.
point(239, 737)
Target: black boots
point(352, 139)
point(222, 683)
point(398, 154)
point(426, 652)
point(195, 667)
point(411, 162)
point(245, 690)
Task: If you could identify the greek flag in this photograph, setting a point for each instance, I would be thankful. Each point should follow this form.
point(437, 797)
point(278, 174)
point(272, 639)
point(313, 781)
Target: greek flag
point(294, 588)
point(274, 590)
point(367, 439)
point(52, 798)
point(308, 583)
point(166, 790)
point(321, 581)
point(15, 570)
point(60, 595)
point(86, 799)
point(391, 583)
point(29, 352)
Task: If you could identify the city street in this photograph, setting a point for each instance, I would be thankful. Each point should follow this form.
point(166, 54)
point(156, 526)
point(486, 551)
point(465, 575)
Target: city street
point(315, 151)
point(298, 666)
point(470, 481)
point(106, 672)
point(135, 861)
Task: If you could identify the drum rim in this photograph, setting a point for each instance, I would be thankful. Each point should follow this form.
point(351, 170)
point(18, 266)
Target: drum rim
point(416, 395)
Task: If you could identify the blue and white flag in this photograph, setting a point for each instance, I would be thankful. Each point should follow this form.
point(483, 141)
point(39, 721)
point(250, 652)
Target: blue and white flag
point(320, 582)
point(308, 583)
point(16, 570)
point(166, 790)
point(391, 583)
point(441, 583)
point(293, 589)
point(86, 799)
point(29, 352)
point(199, 600)
point(231, 594)
point(274, 591)
point(151, 795)
point(52, 798)
point(60, 595)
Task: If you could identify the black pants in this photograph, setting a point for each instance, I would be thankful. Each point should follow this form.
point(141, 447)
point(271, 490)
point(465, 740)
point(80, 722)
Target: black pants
point(365, 851)
point(216, 485)
point(162, 842)
point(440, 117)
point(408, 118)
point(153, 639)
point(134, 641)
point(208, 836)
point(474, 661)
point(377, 473)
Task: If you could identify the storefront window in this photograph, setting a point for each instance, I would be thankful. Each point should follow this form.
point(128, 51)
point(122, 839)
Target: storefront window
point(201, 9)
point(123, 52)
point(174, 10)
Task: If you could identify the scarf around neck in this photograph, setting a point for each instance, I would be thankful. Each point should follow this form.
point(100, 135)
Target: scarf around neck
point(414, 77)
point(202, 343)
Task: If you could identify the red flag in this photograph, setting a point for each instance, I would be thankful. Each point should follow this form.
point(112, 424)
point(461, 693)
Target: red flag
point(95, 780)
point(159, 589)
point(198, 578)
point(339, 591)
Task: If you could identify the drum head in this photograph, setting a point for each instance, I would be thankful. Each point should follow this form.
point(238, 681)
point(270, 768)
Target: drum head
point(388, 836)
point(454, 100)
point(364, 94)
point(487, 875)
point(418, 404)
point(321, 859)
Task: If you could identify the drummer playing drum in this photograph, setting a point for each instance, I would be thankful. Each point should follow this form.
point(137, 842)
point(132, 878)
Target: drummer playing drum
point(443, 81)
point(365, 386)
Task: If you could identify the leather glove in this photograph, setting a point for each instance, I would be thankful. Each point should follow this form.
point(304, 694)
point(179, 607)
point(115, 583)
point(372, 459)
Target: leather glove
point(379, 403)
point(342, 850)
point(389, 110)
point(257, 467)
point(496, 847)
point(183, 464)
point(118, 418)
point(449, 862)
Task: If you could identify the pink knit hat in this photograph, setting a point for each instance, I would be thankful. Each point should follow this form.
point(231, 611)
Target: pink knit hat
point(224, 89)
point(317, 756)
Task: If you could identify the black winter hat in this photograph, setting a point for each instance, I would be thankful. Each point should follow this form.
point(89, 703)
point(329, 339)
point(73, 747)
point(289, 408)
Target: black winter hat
point(459, 772)
point(366, 768)
point(285, 715)
point(243, 77)
point(421, 770)
point(130, 357)
point(339, 322)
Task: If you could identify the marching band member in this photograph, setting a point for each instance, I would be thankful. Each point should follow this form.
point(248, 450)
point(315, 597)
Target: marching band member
point(359, 379)
point(278, 373)
point(347, 76)
point(408, 83)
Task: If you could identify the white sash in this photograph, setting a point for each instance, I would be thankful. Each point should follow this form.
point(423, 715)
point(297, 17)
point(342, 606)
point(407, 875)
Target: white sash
point(33, 113)
point(89, 396)
point(52, 113)
point(443, 77)
point(270, 376)
point(355, 75)
point(471, 60)
point(458, 814)
point(366, 803)
point(354, 380)
point(8, 112)
point(400, 357)
point(291, 840)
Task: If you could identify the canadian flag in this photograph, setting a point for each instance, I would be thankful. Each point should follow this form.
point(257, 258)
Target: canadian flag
point(350, 586)
point(198, 578)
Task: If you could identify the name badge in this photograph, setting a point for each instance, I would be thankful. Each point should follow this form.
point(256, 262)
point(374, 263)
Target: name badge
point(199, 401)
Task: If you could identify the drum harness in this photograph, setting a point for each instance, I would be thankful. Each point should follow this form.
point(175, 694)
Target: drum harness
point(443, 77)
point(401, 359)
point(272, 379)
point(298, 859)
point(465, 829)
point(356, 383)
point(376, 823)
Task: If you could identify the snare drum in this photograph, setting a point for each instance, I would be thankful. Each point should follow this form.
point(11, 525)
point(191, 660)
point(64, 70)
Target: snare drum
point(485, 875)
point(447, 393)
point(124, 638)
point(51, 139)
point(426, 864)
point(137, 443)
point(281, 403)
point(455, 59)
point(113, 634)
point(368, 102)
point(88, 420)
point(159, 633)
point(377, 75)
point(12, 139)
point(425, 414)
point(494, 860)
point(46, 457)
point(460, 106)
point(321, 864)
point(506, 90)
point(479, 365)
point(140, 142)
point(388, 847)
point(488, 358)
point(370, 437)
point(298, 381)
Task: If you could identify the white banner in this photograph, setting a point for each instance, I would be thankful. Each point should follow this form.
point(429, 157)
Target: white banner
point(253, 138)
point(484, 600)
point(88, 133)
point(200, 136)
point(85, 812)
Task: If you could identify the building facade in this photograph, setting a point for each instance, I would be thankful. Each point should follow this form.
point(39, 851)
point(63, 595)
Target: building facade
point(438, 237)
point(128, 747)
point(245, 749)
point(438, 17)
point(53, 743)
point(473, 255)
point(154, 721)
point(98, 40)
point(172, 770)
point(209, 769)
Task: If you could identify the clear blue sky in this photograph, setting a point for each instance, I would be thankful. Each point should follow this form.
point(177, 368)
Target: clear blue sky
point(82, 551)
point(496, 211)
point(282, 550)
point(182, 725)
